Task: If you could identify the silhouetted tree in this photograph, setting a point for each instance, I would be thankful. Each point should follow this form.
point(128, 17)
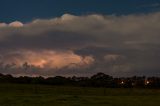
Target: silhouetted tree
point(102, 80)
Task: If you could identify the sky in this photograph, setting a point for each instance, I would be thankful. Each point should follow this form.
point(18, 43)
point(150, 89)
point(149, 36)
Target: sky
point(27, 10)
point(80, 38)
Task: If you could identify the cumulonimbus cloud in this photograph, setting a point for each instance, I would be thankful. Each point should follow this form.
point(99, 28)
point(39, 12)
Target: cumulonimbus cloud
point(16, 24)
point(132, 41)
point(12, 24)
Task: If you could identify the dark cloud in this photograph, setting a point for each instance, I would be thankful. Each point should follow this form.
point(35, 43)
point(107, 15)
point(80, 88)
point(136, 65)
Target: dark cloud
point(116, 45)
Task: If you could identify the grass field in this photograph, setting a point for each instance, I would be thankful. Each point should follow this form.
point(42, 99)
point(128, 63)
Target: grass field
point(42, 95)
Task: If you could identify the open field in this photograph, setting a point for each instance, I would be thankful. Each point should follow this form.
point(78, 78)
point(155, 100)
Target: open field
point(43, 95)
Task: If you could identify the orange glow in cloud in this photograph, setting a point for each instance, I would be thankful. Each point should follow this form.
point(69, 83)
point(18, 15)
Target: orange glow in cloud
point(52, 59)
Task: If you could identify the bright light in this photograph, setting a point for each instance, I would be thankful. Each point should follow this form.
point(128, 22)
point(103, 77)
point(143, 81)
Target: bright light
point(122, 82)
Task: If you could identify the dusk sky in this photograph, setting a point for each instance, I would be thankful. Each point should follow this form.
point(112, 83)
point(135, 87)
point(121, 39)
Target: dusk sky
point(81, 38)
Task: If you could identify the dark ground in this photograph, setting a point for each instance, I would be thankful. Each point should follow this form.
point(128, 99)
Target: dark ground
point(44, 95)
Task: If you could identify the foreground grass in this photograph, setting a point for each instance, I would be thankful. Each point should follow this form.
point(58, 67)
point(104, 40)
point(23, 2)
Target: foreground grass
point(41, 95)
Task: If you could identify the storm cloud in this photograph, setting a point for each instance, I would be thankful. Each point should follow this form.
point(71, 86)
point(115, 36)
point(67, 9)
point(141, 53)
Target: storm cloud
point(117, 45)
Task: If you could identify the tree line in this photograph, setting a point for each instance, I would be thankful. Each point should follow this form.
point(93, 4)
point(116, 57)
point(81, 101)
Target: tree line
point(97, 80)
